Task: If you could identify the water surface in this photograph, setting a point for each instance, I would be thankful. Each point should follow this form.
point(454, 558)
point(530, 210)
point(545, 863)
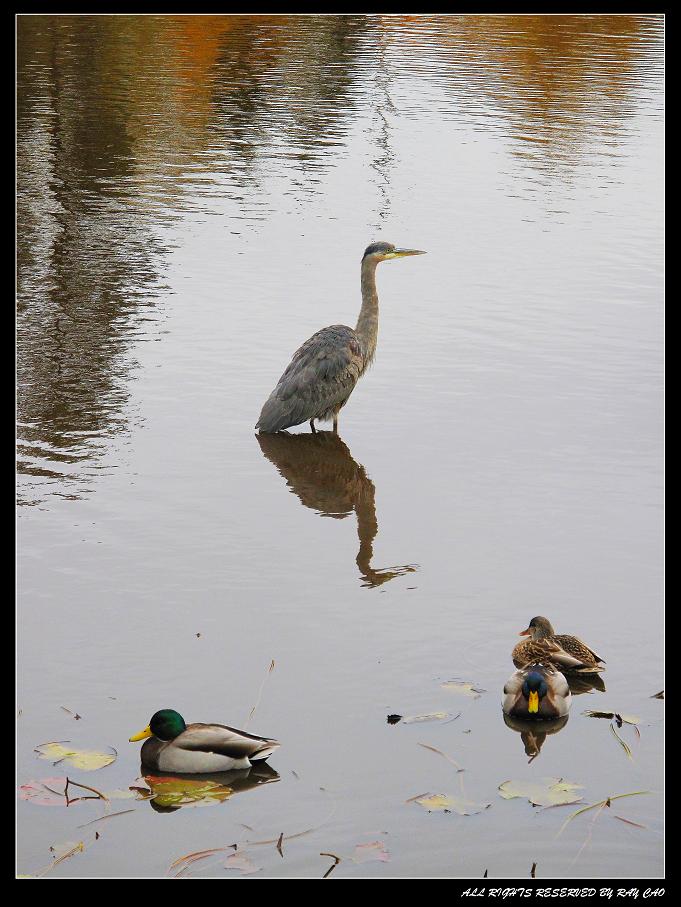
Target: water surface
point(194, 196)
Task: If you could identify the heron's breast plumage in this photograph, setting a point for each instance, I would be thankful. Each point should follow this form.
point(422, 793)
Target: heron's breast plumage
point(318, 381)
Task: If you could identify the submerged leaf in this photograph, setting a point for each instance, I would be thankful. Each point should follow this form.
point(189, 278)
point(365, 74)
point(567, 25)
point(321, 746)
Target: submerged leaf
point(462, 688)
point(431, 716)
point(86, 760)
point(241, 863)
point(448, 804)
point(373, 850)
point(47, 792)
point(545, 792)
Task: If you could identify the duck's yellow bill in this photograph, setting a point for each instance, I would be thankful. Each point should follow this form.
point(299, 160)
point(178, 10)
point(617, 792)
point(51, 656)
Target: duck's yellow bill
point(147, 732)
point(533, 705)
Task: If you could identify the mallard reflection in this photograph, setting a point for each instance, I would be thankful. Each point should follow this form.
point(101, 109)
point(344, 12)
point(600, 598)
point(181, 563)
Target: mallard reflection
point(533, 733)
point(320, 470)
point(584, 683)
point(168, 793)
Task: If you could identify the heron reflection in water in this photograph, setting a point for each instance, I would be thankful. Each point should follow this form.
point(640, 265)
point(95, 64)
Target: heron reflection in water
point(320, 470)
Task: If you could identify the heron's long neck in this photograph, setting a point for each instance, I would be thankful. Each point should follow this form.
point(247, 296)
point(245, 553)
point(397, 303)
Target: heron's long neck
point(367, 323)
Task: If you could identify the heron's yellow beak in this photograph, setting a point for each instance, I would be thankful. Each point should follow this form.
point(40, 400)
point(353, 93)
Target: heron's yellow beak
point(533, 702)
point(147, 732)
point(401, 253)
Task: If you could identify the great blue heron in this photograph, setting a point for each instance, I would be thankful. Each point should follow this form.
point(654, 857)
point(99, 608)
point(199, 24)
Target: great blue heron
point(324, 371)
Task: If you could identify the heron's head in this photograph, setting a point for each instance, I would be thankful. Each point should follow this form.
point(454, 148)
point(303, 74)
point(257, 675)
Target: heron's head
point(383, 251)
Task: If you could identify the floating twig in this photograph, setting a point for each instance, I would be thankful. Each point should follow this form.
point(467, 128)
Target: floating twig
point(262, 686)
point(108, 816)
point(601, 803)
point(336, 861)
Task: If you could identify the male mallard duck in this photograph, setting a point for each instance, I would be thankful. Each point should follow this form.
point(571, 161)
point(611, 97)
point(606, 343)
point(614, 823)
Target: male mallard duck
point(195, 748)
point(537, 691)
point(566, 652)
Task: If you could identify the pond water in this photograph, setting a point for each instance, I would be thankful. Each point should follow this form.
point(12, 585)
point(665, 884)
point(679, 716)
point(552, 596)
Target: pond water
point(194, 197)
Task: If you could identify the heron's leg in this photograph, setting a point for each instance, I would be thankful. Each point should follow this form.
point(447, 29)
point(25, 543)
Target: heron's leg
point(335, 423)
point(314, 430)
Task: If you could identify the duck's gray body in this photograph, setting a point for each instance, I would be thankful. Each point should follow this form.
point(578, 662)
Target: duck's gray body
point(206, 748)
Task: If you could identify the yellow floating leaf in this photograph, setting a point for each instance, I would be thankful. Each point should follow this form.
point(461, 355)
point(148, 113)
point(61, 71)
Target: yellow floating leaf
point(445, 803)
point(87, 760)
point(545, 792)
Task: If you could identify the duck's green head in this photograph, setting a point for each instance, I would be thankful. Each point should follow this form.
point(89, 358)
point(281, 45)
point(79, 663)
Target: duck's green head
point(165, 725)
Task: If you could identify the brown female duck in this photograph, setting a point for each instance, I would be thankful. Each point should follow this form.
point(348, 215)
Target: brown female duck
point(566, 652)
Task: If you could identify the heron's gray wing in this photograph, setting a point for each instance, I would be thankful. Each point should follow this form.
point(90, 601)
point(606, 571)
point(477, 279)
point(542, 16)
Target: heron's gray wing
point(228, 741)
point(319, 379)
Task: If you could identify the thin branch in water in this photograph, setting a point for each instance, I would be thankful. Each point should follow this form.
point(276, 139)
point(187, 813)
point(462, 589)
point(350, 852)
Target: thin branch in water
point(85, 787)
point(449, 759)
point(333, 865)
point(109, 816)
point(604, 804)
point(601, 803)
point(629, 822)
point(262, 686)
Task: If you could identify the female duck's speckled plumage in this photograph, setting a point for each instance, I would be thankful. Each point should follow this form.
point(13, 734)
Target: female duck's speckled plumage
point(537, 691)
point(566, 652)
point(173, 746)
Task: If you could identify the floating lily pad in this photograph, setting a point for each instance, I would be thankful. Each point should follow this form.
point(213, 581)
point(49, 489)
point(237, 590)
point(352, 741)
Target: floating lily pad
point(448, 804)
point(86, 760)
point(545, 792)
